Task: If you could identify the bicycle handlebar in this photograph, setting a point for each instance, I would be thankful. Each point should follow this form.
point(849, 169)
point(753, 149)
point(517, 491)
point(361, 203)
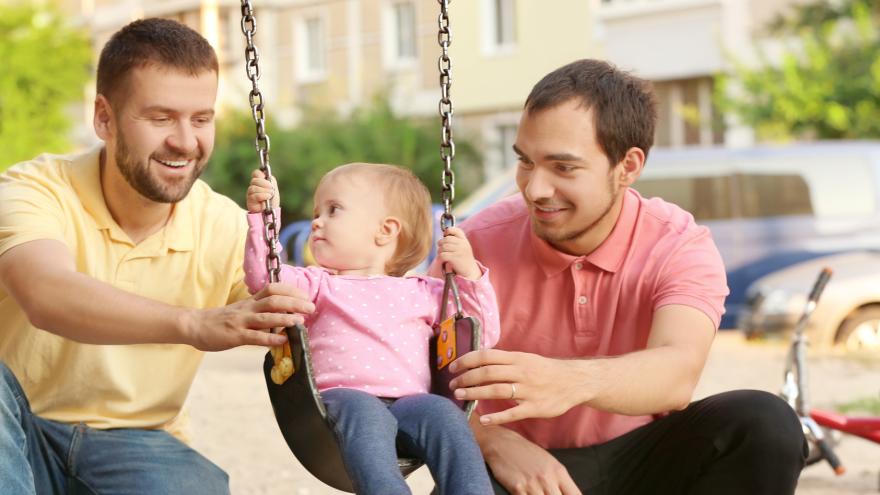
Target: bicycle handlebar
point(829, 455)
point(819, 286)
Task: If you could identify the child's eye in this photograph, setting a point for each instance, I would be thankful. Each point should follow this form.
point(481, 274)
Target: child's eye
point(333, 209)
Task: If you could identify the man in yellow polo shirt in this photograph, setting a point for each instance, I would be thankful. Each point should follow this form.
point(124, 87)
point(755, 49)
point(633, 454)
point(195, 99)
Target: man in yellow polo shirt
point(118, 267)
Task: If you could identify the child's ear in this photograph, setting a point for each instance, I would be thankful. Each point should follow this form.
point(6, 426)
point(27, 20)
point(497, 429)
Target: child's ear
point(388, 231)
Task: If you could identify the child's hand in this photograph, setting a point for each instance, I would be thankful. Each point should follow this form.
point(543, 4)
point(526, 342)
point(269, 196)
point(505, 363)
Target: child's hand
point(455, 249)
point(259, 191)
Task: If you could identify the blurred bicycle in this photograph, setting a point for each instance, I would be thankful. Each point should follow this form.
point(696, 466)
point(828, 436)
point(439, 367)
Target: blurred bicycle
point(795, 390)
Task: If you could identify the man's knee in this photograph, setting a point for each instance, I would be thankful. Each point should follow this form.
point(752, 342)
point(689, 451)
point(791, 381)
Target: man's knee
point(146, 461)
point(196, 476)
point(762, 411)
point(766, 422)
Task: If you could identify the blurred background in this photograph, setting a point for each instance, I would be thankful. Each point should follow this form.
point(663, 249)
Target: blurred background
point(726, 72)
point(769, 120)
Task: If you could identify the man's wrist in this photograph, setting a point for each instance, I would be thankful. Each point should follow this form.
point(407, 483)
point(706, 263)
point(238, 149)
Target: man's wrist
point(487, 438)
point(584, 373)
point(184, 325)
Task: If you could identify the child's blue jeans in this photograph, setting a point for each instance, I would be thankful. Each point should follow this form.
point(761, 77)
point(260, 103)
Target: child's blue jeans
point(426, 426)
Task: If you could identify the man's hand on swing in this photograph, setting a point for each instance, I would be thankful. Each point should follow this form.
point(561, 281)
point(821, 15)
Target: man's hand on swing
point(261, 190)
point(539, 387)
point(248, 322)
point(455, 250)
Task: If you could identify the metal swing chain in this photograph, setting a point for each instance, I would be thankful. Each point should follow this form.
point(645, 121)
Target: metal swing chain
point(252, 67)
point(283, 365)
point(447, 144)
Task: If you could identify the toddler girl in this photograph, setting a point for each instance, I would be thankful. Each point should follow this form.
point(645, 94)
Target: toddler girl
point(371, 327)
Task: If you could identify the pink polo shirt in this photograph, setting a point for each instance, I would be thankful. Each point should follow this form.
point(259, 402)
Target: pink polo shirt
point(602, 304)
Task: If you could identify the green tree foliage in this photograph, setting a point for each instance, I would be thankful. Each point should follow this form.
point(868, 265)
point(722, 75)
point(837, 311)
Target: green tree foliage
point(827, 83)
point(301, 156)
point(45, 64)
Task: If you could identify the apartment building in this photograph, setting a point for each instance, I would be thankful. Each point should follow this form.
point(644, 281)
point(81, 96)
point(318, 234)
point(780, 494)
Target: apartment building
point(338, 54)
point(681, 45)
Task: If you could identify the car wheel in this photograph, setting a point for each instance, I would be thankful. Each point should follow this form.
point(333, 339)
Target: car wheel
point(861, 331)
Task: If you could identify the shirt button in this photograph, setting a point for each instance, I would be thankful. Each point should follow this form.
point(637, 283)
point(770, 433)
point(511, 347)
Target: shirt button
point(578, 265)
point(582, 300)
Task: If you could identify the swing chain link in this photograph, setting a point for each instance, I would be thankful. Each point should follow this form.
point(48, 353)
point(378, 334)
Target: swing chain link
point(447, 145)
point(252, 67)
point(447, 149)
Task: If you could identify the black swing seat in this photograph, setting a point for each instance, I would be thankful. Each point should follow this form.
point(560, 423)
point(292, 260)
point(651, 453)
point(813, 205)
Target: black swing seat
point(302, 417)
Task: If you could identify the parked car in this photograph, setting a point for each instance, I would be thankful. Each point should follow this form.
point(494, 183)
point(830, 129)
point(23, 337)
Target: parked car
point(847, 315)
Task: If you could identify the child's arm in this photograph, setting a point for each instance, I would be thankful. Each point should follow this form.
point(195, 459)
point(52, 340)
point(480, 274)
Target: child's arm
point(258, 192)
point(256, 274)
point(477, 295)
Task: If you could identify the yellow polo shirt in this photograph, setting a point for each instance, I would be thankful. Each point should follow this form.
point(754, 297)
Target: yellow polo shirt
point(194, 261)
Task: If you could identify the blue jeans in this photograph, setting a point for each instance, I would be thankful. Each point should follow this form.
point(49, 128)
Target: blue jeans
point(426, 426)
point(38, 456)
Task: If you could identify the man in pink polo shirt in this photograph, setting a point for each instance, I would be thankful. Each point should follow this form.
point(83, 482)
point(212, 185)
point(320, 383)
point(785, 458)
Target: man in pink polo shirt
point(609, 304)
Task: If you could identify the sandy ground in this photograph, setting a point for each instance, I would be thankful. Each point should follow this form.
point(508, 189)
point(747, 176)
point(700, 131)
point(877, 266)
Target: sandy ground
point(232, 422)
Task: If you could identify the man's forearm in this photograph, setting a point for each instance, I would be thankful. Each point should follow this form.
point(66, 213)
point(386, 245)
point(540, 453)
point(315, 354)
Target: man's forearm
point(86, 310)
point(41, 277)
point(645, 382)
point(661, 377)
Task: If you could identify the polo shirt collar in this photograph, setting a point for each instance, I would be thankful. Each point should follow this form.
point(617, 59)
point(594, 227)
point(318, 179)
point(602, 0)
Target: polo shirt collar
point(611, 253)
point(85, 176)
point(180, 227)
point(86, 180)
point(608, 256)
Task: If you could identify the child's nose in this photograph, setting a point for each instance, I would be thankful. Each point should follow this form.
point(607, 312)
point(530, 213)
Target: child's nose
point(315, 225)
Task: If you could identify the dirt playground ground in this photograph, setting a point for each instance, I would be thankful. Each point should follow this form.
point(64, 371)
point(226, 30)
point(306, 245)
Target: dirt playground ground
point(232, 422)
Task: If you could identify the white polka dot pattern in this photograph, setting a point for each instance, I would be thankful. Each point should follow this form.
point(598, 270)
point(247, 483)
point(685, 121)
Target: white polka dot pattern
point(365, 341)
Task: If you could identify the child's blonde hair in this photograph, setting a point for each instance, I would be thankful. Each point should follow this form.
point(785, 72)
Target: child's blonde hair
point(406, 198)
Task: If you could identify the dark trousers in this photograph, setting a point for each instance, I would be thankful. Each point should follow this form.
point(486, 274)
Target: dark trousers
point(737, 443)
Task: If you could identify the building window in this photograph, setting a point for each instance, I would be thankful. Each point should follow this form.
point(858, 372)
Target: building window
point(500, 156)
point(399, 35)
point(687, 116)
point(404, 30)
point(506, 139)
point(500, 25)
point(311, 50)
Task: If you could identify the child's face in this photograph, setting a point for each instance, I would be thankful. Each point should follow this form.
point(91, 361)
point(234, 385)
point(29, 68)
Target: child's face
point(348, 217)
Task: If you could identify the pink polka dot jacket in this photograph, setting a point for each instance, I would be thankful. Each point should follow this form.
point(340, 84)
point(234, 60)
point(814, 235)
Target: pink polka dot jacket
point(371, 333)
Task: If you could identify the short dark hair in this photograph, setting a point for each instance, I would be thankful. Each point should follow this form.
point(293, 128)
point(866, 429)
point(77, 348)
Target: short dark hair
point(623, 105)
point(162, 42)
